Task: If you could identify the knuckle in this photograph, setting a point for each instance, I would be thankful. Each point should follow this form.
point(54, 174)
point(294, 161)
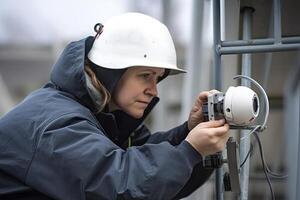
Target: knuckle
point(214, 141)
point(211, 135)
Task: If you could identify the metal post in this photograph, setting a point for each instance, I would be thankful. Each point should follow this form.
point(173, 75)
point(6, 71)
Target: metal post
point(161, 111)
point(217, 41)
point(217, 81)
point(246, 70)
point(194, 63)
point(292, 131)
point(277, 20)
point(275, 31)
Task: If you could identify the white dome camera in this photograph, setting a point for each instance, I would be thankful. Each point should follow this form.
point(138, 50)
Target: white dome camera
point(239, 106)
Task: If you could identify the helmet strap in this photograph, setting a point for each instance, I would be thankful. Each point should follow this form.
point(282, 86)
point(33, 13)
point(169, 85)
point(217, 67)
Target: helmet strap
point(98, 28)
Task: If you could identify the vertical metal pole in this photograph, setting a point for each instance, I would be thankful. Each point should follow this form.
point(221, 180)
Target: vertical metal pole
point(274, 31)
point(292, 131)
point(191, 81)
point(277, 21)
point(246, 70)
point(161, 111)
point(217, 42)
point(217, 81)
point(277, 34)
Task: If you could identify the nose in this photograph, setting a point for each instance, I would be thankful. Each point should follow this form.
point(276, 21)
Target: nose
point(152, 89)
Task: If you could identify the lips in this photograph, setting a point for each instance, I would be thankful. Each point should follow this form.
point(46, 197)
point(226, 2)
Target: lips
point(143, 102)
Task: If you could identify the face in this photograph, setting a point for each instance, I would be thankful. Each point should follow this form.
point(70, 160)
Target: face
point(135, 90)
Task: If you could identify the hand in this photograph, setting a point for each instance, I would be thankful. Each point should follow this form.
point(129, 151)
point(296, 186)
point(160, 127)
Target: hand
point(209, 137)
point(196, 116)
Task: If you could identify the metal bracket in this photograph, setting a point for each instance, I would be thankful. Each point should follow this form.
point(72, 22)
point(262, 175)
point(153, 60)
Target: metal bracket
point(233, 165)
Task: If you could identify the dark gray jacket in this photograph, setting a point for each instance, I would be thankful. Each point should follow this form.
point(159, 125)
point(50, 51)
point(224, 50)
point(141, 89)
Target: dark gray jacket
point(52, 146)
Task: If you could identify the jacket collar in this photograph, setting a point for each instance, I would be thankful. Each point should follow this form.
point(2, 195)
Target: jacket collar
point(118, 125)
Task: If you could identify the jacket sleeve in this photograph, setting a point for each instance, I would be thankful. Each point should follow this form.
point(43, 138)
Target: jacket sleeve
point(75, 160)
point(199, 176)
point(175, 136)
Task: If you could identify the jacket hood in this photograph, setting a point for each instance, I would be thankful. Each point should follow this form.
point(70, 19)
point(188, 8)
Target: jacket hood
point(68, 75)
point(68, 72)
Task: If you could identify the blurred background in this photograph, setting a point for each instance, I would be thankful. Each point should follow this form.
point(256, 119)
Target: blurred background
point(33, 33)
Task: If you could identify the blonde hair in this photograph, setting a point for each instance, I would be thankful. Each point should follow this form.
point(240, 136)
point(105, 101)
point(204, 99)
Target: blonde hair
point(104, 94)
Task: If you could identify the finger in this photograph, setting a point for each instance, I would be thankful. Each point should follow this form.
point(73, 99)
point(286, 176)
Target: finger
point(197, 112)
point(203, 95)
point(222, 131)
point(212, 124)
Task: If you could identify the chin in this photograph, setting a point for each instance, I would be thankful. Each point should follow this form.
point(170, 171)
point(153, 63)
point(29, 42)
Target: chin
point(136, 114)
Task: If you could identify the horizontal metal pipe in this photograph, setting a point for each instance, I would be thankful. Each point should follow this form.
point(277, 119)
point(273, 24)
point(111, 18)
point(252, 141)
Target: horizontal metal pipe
point(259, 177)
point(289, 40)
point(258, 49)
point(285, 40)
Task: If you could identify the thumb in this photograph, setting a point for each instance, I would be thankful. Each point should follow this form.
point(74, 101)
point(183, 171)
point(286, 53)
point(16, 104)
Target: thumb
point(212, 124)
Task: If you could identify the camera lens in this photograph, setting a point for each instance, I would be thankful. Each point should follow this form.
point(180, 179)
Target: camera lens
point(255, 104)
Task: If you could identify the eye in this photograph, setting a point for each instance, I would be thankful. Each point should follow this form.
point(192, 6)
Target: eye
point(145, 76)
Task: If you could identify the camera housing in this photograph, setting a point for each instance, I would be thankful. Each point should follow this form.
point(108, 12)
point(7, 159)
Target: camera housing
point(239, 106)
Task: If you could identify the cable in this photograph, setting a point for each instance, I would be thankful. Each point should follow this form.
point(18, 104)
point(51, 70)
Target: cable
point(273, 174)
point(276, 175)
point(248, 155)
point(251, 145)
point(264, 165)
point(252, 131)
point(266, 169)
point(270, 172)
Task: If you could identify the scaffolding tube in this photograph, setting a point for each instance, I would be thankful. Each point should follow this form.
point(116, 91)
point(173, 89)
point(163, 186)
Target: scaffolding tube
point(246, 70)
point(257, 49)
point(263, 41)
point(277, 20)
point(217, 82)
point(216, 41)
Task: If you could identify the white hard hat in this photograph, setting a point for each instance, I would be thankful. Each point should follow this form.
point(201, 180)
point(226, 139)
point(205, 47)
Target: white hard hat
point(134, 39)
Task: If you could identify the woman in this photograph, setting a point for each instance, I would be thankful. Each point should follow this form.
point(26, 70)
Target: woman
point(81, 135)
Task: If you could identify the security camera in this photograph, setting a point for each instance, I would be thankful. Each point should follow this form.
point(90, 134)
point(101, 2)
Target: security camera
point(239, 106)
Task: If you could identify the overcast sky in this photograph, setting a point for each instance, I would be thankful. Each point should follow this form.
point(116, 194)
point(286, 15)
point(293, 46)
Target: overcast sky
point(47, 21)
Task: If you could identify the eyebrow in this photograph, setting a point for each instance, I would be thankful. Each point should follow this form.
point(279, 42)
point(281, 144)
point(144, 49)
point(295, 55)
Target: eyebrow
point(153, 72)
